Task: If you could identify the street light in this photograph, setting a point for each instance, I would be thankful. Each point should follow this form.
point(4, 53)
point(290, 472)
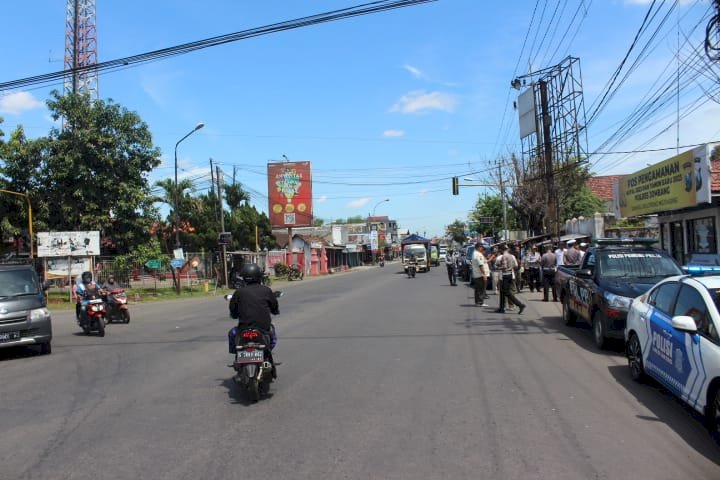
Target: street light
point(30, 230)
point(177, 216)
point(381, 201)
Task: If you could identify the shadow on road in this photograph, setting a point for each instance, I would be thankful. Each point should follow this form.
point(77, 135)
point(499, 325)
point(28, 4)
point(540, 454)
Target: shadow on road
point(668, 409)
point(237, 394)
point(14, 353)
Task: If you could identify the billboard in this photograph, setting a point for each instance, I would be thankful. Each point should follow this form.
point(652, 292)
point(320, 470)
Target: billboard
point(290, 194)
point(68, 244)
point(526, 112)
point(67, 267)
point(678, 182)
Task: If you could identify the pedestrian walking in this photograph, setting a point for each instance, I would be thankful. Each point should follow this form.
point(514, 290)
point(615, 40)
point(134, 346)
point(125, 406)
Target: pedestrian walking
point(549, 267)
point(479, 273)
point(451, 263)
point(508, 264)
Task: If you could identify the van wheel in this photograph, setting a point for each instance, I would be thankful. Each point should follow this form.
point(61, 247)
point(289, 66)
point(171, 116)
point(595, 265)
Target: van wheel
point(45, 348)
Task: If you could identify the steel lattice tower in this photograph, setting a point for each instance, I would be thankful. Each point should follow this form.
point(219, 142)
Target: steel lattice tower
point(81, 47)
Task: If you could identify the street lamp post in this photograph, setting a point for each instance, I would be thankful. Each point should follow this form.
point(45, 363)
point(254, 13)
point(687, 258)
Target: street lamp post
point(176, 199)
point(375, 208)
point(30, 229)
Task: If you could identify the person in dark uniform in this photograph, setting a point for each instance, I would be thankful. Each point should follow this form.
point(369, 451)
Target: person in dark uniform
point(252, 305)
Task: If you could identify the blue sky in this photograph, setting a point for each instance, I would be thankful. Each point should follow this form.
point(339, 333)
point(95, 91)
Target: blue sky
point(403, 99)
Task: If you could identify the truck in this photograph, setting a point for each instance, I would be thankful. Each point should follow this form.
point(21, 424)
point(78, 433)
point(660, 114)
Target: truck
point(601, 289)
point(418, 246)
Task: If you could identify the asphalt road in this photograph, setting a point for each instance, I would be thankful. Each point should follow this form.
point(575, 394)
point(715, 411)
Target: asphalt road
point(383, 377)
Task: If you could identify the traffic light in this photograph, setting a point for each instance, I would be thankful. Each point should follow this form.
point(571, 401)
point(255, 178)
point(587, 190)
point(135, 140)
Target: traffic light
point(455, 186)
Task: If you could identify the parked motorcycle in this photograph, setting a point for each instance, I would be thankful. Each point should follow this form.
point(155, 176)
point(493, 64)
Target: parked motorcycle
point(93, 318)
point(254, 365)
point(411, 270)
point(117, 306)
point(294, 273)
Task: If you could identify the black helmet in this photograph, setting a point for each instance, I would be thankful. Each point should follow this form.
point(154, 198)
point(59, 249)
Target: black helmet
point(86, 277)
point(251, 273)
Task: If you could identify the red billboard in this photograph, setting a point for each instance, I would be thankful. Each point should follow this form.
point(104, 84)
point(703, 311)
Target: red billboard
point(290, 194)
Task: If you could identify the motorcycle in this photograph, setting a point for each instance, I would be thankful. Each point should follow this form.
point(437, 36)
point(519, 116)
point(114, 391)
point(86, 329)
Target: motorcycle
point(411, 271)
point(93, 319)
point(253, 364)
point(382, 262)
point(294, 273)
point(117, 306)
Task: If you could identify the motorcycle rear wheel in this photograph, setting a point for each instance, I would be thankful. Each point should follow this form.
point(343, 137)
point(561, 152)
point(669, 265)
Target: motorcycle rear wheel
point(253, 389)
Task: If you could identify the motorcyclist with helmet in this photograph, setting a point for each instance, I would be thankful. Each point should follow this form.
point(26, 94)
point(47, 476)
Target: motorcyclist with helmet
point(252, 304)
point(86, 289)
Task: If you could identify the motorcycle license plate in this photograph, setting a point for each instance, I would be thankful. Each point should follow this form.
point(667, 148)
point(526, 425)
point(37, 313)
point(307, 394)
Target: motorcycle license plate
point(9, 336)
point(247, 356)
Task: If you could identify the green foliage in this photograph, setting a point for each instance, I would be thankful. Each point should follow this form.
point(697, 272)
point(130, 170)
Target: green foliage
point(457, 231)
point(582, 203)
point(281, 269)
point(490, 206)
point(91, 175)
point(318, 222)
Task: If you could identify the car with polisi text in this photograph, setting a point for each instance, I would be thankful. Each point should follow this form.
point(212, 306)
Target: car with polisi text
point(672, 335)
point(601, 289)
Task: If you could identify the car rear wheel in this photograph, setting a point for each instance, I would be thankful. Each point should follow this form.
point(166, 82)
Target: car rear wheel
point(635, 361)
point(598, 331)
point(567, 315)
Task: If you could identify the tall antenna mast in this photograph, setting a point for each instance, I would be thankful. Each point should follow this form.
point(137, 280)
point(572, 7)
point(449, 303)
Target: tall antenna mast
point(80, 47)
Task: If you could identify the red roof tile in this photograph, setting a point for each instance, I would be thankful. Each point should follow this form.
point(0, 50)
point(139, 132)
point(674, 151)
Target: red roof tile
point(603, 186)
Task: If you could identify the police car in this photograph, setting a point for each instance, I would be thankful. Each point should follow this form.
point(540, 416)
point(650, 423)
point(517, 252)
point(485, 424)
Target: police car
point(672, 336)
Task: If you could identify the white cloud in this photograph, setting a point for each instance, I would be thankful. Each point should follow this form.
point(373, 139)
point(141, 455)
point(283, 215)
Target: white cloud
point(322, 199)
point(420, 101)
point(414, 71)
point(423, 192)
point(16, 103)
point(393, 133)
point(360, 202)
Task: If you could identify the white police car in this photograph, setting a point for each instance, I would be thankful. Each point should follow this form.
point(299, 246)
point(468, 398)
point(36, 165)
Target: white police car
point(672, 336)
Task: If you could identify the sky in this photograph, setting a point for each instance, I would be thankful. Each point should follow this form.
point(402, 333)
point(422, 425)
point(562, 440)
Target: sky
point(387, 107)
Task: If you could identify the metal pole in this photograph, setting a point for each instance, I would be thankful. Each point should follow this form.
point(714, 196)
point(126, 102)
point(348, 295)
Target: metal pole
point(222, 225)
point(504, 202)
point(553, 214)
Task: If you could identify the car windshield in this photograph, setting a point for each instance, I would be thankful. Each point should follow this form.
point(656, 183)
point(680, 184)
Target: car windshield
point(14, 283)
point(637, 265)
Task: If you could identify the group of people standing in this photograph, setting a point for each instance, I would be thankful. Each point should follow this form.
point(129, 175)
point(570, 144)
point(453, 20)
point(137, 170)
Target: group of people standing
point(506, 263)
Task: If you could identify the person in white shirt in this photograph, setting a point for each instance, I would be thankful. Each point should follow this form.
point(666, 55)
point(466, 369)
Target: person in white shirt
point(559, 253)
point(480, 272)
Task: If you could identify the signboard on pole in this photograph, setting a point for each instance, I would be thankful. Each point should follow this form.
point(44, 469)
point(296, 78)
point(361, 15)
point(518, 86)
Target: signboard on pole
point(374, 240)
point(68, 244)
point(290, 194)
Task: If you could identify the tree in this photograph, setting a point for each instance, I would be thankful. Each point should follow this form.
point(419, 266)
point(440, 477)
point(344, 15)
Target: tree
point(490, 206)
point(318, 222)
point(90, 175)
point(456, 230)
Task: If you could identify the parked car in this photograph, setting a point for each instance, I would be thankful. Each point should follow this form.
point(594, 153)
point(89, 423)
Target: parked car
point(601, 289)
point(24, 317)
point(672, 335)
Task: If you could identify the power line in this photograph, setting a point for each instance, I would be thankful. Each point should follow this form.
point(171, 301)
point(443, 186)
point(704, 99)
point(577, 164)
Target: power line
point(155, 55)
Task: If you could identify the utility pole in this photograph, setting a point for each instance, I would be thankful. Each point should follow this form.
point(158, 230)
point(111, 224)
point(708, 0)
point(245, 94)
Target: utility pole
point(222, 223)
point(504, 201)
point(553, 214)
